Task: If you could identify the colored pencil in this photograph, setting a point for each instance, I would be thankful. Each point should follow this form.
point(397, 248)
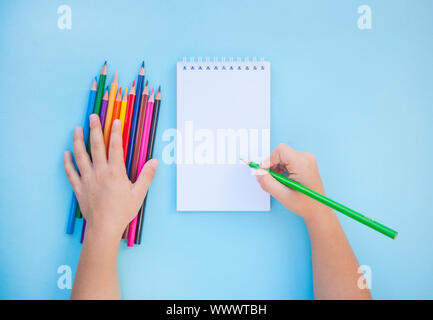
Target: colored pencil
point(101, 87)
point(138, 136)
point(91, 103)
point(134, 120)
point(83, 231)
point(126, 132)
point(154, 123)
point(149, 156)
point(104, 105)
point(142, 160)
point(96, 110)
point(128, 119)
point(137, 143)
point(326, 201)
point(123, 108)
point(116, 111)
point(108, 118)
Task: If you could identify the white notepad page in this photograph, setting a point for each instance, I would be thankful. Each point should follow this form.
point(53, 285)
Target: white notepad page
point(223, 113)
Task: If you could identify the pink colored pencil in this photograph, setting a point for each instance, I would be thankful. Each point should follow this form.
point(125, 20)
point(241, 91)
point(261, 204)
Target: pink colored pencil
point(142, 160)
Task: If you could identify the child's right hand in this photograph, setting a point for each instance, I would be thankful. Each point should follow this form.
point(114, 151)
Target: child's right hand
point(302, 167)
point(107, 198)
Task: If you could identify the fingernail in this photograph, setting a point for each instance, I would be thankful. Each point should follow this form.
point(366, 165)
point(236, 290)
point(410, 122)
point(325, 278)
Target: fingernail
point(93, 117)
point(260, 172)
point(153, 163)
point(77, 130)
point(116, 123)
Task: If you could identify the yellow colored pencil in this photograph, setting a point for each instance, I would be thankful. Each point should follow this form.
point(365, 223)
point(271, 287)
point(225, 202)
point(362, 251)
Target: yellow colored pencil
point(109, 115)
point(123, 108)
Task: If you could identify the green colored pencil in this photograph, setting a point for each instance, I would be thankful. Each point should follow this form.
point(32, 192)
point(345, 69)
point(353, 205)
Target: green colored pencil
point(96, 110)
point(101, 87)
point(330, 203)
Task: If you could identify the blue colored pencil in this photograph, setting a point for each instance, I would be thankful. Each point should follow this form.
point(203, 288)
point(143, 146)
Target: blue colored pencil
point(71, 217)
point(134, 121)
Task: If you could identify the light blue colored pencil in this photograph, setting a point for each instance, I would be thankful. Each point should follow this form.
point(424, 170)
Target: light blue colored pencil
point(71, 217)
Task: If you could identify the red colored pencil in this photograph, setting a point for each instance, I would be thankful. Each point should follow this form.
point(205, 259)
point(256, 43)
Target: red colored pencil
point(127, 131)
point(128, 119)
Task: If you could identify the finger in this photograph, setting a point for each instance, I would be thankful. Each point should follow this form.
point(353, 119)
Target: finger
point(80, 153)
point(279, 191)
point(97, 145)
point(115, 156)
point(146, 177)
point(281, 154)
point(71, 173)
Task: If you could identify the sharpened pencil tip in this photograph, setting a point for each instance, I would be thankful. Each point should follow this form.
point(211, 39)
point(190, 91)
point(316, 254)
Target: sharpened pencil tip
point(245, 161)
point(94, 85)
point(142, 64)
point(159, 89)
point(105, 62)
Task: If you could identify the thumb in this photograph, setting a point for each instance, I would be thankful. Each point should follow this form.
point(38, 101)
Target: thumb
point(146, 176)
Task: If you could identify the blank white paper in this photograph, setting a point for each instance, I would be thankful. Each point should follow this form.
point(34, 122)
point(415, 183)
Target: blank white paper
point(215, 97)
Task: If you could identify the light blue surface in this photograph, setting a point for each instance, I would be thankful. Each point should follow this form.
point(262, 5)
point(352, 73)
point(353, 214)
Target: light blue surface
point(361, 100)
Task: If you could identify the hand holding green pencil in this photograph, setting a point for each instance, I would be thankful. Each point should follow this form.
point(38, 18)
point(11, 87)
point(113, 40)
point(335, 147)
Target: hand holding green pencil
point(303, 167)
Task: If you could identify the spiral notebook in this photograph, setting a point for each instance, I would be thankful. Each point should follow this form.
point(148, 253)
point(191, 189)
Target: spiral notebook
point(223, 113)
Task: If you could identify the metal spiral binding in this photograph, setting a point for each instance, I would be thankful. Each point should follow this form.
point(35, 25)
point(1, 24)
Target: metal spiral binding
point(221, 64)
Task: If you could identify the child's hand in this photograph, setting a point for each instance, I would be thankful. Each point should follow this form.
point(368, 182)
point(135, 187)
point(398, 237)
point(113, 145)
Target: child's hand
point(302, 167)
point(107, 198)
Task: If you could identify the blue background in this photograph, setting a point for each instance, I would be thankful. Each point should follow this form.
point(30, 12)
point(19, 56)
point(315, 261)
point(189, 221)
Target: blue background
point(361, 100)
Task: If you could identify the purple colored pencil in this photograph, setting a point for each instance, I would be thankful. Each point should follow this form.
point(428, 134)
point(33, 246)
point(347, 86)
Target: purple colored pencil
point(104, 105)
point(83, 230)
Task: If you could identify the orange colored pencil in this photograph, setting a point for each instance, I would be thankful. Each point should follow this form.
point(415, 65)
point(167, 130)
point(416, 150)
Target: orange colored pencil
point(109, 116)
point(116, 111)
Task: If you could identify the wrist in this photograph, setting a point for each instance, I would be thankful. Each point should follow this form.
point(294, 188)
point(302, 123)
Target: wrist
point(100, 234)
point(321, 216)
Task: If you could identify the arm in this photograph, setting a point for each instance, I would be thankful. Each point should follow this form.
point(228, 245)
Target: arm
point(108, 201)
point(335, 268)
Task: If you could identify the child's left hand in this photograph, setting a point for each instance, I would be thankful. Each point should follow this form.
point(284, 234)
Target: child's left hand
point(107, 198)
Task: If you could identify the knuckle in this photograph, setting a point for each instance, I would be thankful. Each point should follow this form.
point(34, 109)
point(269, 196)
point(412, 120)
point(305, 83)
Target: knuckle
point(310, 157)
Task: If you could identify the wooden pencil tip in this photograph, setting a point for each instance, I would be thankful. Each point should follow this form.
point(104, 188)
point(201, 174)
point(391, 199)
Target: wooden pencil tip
point(245, 161)
point(104, 69)
point(125, 94)
point(133, 83)
point(158, 95)
point(94, 85)
point(115, 77)
point(119, 94)
point(106, 94)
